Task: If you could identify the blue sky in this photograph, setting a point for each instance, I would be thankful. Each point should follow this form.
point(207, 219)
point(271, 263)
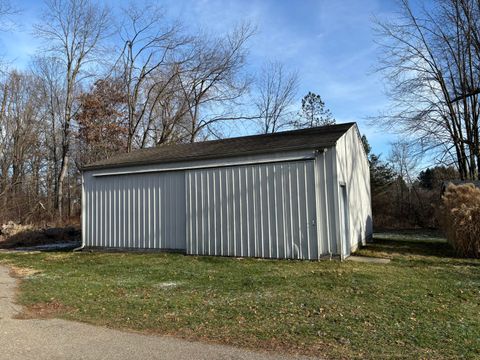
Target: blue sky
point(330, 43)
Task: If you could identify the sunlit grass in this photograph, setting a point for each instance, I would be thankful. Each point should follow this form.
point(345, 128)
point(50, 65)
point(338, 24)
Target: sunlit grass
point(423, 304)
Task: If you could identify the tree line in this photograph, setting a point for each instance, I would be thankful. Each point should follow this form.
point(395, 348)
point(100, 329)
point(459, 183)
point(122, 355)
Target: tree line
point(103, 84)
point(431, 62)
point(402, 196)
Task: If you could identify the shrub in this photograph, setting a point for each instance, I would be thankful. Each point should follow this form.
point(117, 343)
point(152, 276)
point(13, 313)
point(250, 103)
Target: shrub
point(460, 218)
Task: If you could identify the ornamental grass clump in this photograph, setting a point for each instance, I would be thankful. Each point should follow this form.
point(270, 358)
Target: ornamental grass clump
point(460, 218)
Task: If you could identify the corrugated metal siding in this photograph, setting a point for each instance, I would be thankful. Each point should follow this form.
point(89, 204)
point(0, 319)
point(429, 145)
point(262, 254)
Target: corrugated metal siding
point(232, 209)
point(263, 210)
point(353, 171)
point(136, 211)
point(325, 167)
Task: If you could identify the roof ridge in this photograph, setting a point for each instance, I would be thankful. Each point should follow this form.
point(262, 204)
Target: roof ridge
point(278, 133)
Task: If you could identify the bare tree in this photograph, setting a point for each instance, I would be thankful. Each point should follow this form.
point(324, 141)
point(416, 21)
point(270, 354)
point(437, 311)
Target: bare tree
point(162, 87)
point(404, 159)
point(170, 115)
point(177, 85)
point(432, 62)
point(7, 9)
point(20, 142)
point(73, 31)
point(49, 71)
point(276, 93)
point(148, 63)
point(214, 81)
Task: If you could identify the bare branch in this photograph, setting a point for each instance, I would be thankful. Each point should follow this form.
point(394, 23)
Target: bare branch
point(276, 93)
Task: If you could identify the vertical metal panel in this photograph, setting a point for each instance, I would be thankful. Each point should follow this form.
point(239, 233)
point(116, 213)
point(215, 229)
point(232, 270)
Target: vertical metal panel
point(262, 210)
point(353, 171)
point(136, 211)
point(326, 216)
point(84, 211)
point(271, 210)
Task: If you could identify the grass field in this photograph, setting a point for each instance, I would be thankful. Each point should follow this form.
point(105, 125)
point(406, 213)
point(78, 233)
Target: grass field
point(424, 304)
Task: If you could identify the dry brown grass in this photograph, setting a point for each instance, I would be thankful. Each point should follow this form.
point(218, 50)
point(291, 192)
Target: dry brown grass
point(44, 310)
point(11, 228)
point(460, 218)
point(21, 272)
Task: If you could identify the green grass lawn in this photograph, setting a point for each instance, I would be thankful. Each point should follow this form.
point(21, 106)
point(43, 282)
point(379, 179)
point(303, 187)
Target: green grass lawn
point(424, 304)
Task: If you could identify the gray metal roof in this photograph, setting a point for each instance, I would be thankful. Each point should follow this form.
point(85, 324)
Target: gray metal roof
point(312, 138)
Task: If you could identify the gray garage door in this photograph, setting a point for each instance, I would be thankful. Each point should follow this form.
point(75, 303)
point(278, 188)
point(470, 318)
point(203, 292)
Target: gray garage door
point(136, 211)
point(264, 210)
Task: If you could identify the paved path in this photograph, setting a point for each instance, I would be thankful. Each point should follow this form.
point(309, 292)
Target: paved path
point(368, 259)
point(59, 339)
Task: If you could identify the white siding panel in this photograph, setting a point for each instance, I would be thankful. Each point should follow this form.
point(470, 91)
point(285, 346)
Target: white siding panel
point(262, 210)
point(353, 172)
point(136, 211)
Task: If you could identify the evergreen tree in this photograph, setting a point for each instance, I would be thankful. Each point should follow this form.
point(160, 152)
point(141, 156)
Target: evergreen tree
point(381, 173)
point(313, 112)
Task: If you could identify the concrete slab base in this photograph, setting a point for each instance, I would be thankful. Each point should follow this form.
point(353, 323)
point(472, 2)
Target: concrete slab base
point(366, 259)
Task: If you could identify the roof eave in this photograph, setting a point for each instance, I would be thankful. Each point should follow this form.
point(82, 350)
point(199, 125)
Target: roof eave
point(209, 157)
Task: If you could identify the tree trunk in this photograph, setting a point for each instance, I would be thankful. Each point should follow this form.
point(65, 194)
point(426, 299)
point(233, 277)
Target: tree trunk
point(65, 143)
point(61, 179)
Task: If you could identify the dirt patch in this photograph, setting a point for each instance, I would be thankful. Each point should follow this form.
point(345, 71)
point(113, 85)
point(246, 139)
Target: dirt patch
point(19, 272)
point(44, 310)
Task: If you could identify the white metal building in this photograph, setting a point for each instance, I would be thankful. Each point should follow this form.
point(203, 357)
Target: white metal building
point(302, 194)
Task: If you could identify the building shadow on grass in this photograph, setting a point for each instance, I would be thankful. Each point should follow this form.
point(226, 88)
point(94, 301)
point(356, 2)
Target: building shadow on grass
point(412, 243)
point(411, 247)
